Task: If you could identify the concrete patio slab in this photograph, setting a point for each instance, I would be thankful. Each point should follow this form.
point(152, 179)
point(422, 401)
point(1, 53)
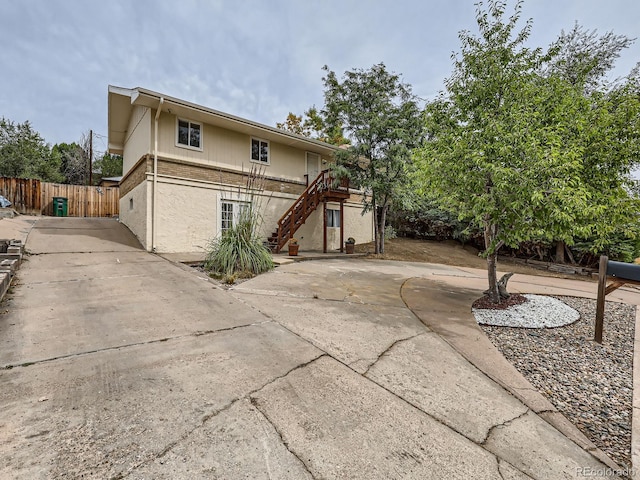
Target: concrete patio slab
point(236, 443)
point(104, 414)
point(339, 422)
point(539, 450)
point(106, 304)
point(355, 334)
point(412, 370)
point(120, 364)
point(77, 235)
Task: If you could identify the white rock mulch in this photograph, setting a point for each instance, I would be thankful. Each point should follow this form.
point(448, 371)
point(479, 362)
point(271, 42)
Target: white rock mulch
point(538, 311)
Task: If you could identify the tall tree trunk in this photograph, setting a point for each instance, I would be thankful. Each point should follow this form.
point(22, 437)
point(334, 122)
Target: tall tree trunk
point(560, 251)
point(492, 274)
point(381, 224)
point(492, 262)
point(375, 225)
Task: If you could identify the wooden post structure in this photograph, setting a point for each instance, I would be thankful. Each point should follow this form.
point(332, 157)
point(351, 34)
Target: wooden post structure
point(602, 285)
point(621, 273)
point(90, 158)
point(342, 226)
point(324, 227)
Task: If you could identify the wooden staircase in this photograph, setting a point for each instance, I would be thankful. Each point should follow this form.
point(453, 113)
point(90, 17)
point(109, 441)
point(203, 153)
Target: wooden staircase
point(324, 188)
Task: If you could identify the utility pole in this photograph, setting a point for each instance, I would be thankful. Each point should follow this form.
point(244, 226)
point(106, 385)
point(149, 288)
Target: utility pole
point(90, 157)
point(86, 211)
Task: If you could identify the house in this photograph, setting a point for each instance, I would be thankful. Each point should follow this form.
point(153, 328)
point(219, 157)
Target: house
point(109, 182)
point(186, 167)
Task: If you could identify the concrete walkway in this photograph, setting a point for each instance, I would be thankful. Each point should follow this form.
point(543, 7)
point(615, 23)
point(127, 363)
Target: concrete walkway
point(443, 305)
point(492, 405)
point(121, 364)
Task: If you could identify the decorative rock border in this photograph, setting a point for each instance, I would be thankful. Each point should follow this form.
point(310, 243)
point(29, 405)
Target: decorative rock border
point(539, 311)
point(11, 252)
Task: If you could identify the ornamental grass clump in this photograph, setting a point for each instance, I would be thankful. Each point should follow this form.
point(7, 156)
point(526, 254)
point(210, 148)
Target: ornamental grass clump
point(239, 251)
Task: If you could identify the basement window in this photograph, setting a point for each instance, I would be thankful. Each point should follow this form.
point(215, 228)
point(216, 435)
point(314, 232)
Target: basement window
point(189, 134)
point(333, 218)
point(230, 213)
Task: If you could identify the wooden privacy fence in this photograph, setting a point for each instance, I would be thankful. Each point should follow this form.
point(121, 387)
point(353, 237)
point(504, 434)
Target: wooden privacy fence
point(24, 193)
point(82, 201)
point(35, 197)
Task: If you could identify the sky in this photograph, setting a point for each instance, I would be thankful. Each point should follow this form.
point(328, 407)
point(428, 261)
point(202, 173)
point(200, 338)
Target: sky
point(255, 59)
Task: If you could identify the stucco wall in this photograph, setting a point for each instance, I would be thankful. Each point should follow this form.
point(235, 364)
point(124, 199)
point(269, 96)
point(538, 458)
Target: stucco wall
point(188, 217)
point(310, 235)
point(138, 140)
point(356, 225)
point(188, 214)
point(139, 217)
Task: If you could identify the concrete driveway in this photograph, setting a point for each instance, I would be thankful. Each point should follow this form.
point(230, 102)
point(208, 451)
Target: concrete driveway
point(119, 364)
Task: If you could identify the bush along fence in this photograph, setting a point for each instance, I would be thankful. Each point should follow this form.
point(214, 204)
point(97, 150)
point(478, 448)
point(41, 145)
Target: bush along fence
point(29, 196)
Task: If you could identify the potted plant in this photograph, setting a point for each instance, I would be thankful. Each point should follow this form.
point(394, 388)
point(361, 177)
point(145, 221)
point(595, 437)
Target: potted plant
point(350, 245)
point(293, 247)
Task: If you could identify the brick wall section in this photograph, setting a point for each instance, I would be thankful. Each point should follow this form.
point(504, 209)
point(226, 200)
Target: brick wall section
point(191, 171)
point(136, 176)
point(186, 170)
point(355, 198)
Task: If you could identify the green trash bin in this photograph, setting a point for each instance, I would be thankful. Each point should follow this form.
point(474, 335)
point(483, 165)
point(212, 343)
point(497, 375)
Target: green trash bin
point(60, 206)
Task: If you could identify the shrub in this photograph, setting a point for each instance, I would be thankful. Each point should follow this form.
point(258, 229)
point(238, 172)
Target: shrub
point(426, 220)
point(619, 247)
point(239, 252)
point(390, 232)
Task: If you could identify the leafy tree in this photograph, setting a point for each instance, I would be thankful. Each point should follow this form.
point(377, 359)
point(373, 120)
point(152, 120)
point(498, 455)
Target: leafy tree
point(74, 161)
point(511, 150)
point(73, 164)
point(382, 119)
point(24, 153)
point(108, 165)
point(425, 219)
point(610, 150)
point(293, 124)
point(313, 126)
point(582, 57)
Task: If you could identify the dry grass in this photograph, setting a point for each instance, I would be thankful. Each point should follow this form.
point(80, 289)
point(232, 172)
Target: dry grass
point(448, 252)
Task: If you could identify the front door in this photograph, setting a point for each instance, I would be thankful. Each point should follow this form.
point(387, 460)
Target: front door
point(313, 166)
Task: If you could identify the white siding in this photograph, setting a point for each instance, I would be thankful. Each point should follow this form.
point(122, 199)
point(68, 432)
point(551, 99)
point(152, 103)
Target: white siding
point(223, 148)
point(138, 140)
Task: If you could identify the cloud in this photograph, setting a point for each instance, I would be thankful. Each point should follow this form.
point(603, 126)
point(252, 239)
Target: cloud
point(250, 58)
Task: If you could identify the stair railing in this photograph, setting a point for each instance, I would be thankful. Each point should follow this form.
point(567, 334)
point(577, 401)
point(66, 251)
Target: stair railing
point(306, 203)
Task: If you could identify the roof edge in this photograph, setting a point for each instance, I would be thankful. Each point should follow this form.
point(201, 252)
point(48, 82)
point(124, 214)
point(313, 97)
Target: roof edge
point(210, 111)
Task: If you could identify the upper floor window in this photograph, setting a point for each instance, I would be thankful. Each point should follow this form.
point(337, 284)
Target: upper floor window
point(189, 134)
point(259, 150)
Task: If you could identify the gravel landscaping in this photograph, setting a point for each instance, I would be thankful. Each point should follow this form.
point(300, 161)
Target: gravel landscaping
point(539, 311)
point(590, 384)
